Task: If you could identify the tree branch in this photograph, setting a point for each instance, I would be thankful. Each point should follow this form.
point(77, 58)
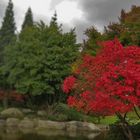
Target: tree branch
point(136, 112)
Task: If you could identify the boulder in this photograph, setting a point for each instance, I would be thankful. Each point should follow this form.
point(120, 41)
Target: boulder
point(27, 111)
point(85, 126)
point(12, 122)
point(42, 113)
point(42, 124)
point(26, 124)
point(71, 126)
point(81, 126)
point(12, 112)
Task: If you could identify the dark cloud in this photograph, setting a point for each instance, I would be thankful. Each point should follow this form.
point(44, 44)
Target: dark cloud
point(101, 12)
point(81, 25)
point(95, 13)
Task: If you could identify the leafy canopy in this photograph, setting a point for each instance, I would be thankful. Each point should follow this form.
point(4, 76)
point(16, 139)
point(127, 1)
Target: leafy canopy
point(40, 60)
point(108, 83)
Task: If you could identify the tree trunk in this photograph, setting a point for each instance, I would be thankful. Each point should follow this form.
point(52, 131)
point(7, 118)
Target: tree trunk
point(127, 131)
point(136, 112)
point(125, 127)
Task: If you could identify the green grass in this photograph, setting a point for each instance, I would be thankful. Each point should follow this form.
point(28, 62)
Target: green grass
point(108, 120)
point(132, 118)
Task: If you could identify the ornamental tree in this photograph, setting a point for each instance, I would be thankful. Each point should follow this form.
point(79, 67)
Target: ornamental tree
point(108, 83)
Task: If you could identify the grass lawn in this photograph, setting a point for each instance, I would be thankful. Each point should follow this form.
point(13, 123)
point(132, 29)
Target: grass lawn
point(131, 117)
point(108, 120)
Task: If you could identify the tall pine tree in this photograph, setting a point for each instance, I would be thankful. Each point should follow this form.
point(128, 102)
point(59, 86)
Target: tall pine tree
point(28, 20)
point(53, 24)
point(7, 31)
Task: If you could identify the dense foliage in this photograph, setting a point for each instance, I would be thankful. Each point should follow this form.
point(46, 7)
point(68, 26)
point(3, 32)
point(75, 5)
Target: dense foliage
point(40, 60)
point(91, 46)
point(7, 30)
point(28, 20)
point(108, 83)
point(127, 29)
point(35, 61)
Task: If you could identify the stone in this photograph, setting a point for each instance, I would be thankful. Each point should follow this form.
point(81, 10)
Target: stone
point(85, 126)
point(12, 112)
point(71, 126)
point(93, 135)
point(42, 113)
point(27, 111)
point(26, 124)
point(81, 126)
point(12, 122)
point(42, 124)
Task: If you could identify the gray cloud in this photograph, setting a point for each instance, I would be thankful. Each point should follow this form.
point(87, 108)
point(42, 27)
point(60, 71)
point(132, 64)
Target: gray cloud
point(2, 9)
point(56, 2)
point(98, 13)
point(101, 12)
point(95, 13)
point(81, 25)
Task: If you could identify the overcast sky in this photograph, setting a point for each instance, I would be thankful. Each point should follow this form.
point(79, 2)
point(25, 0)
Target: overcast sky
point(71, 13)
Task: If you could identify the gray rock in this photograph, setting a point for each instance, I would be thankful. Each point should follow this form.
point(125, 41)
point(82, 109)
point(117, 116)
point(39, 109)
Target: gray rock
point(71, 126)
point(12, 122)
point(81, 126)
point(85, 126)
point(12, 112)
point(42, 113)
point(92, 135)
point(27, 111)
point(26, 124)
point(51, 125)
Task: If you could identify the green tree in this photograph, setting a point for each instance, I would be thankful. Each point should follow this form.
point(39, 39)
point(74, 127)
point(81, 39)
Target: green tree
point(53, 23)
point(127, 29)
point(40, 60)
point(122, 17)
point(7, 31)
point(7, 37)
point(28, 20)
point(93, 37)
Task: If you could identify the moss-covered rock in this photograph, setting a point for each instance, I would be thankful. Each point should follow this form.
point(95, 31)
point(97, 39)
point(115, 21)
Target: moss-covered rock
point(12, 113)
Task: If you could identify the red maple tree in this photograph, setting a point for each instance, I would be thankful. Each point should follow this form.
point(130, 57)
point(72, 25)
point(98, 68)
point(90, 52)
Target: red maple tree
point(108, 83)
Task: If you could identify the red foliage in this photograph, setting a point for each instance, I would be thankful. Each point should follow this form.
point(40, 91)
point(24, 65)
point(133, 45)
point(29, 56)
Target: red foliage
point(108, 83)
point(68, 84)
point(11, 96)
